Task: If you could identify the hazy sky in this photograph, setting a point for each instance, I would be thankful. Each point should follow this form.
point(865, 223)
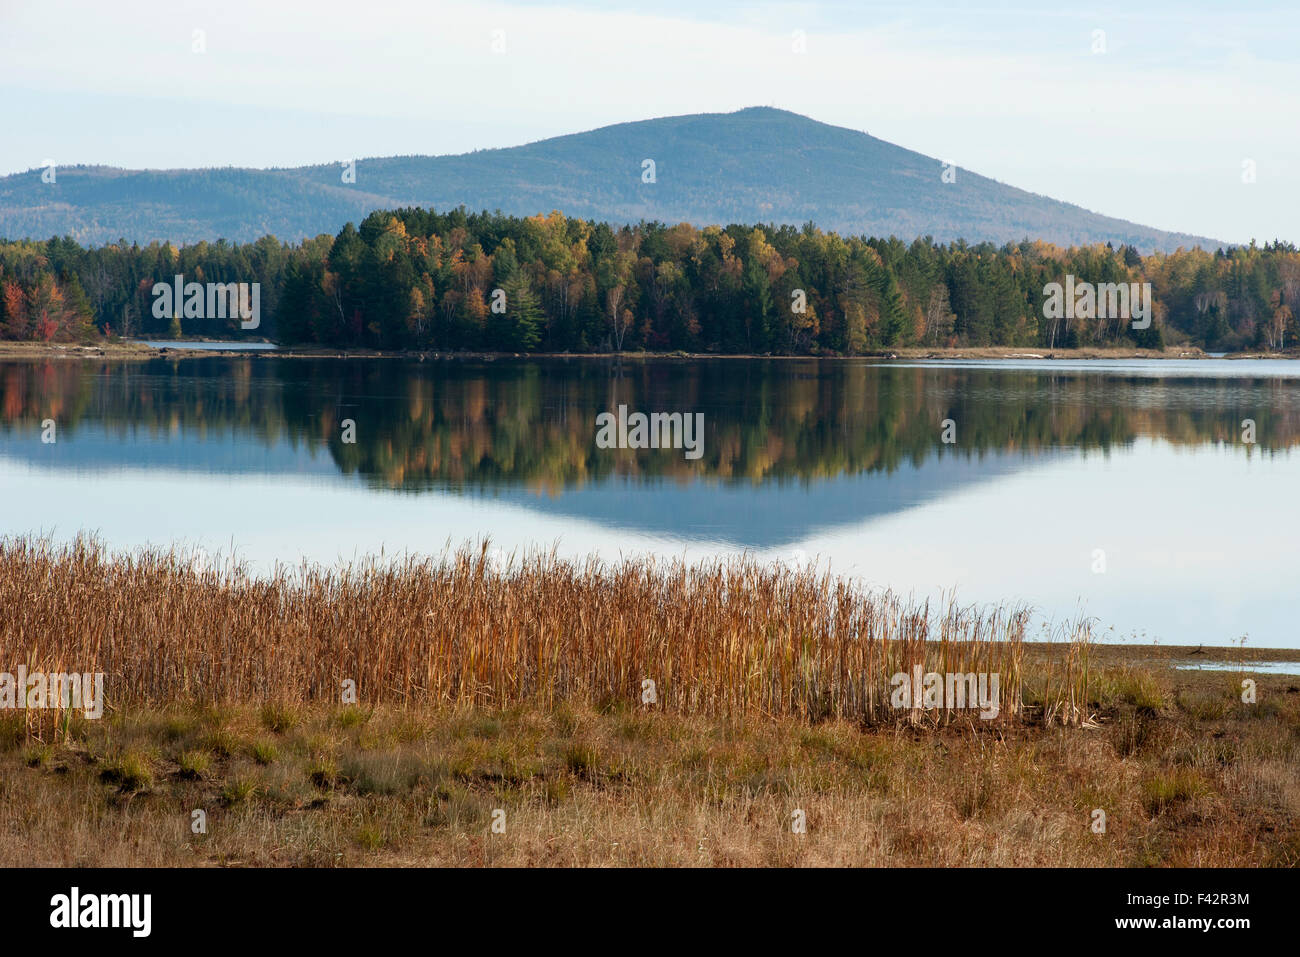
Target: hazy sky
point(1155, 129)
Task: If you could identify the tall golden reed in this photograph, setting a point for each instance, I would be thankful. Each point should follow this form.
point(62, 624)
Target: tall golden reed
point(730, 638)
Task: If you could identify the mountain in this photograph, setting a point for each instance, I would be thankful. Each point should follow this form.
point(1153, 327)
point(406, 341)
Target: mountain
point(757, 165)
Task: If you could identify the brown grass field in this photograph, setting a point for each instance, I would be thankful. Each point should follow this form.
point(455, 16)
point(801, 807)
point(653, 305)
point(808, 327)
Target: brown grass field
point(501, 719)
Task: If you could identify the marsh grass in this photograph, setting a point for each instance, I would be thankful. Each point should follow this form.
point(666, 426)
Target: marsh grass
point(1169, 788)
point(194, 763)
point(264, 752)
point(129, 771)
point(725, 639)
point(583, 786)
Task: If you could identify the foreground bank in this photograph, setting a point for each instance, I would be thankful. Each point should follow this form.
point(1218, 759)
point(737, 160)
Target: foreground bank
point(1179, 772)
point(467, 712)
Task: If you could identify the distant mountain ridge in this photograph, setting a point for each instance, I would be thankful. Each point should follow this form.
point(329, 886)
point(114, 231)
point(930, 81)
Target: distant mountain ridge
point(756, 165)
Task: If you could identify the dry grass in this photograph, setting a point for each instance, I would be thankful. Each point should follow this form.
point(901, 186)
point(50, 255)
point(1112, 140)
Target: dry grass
point(580, 786)
point(518, 691)
point(730, 639)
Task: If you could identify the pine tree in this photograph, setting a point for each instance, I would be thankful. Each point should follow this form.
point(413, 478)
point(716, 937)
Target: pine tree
point(523, 316)
point(893, 312)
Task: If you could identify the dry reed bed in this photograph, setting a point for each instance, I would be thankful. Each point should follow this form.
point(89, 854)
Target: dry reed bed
point(727, 638)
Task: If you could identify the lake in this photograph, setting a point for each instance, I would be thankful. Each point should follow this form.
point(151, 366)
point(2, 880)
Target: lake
point(1123, 490)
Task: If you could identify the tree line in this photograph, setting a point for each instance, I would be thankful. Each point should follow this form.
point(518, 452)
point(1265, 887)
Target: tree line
point(423, 280)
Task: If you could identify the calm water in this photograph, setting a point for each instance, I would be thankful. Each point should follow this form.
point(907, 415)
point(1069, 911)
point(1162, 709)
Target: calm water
point(837, 462)
point(1261, 667)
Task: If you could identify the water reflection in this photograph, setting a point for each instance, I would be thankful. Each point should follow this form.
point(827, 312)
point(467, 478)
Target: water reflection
point(842, 460)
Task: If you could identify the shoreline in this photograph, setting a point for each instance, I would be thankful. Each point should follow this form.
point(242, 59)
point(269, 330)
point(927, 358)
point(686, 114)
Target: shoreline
point(137, 349)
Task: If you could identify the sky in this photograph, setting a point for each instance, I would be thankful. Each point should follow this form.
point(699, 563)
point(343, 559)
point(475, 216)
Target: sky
point(1181, 116)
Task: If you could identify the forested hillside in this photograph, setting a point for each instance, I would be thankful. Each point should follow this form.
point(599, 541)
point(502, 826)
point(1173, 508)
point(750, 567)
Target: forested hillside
point(420, 279)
